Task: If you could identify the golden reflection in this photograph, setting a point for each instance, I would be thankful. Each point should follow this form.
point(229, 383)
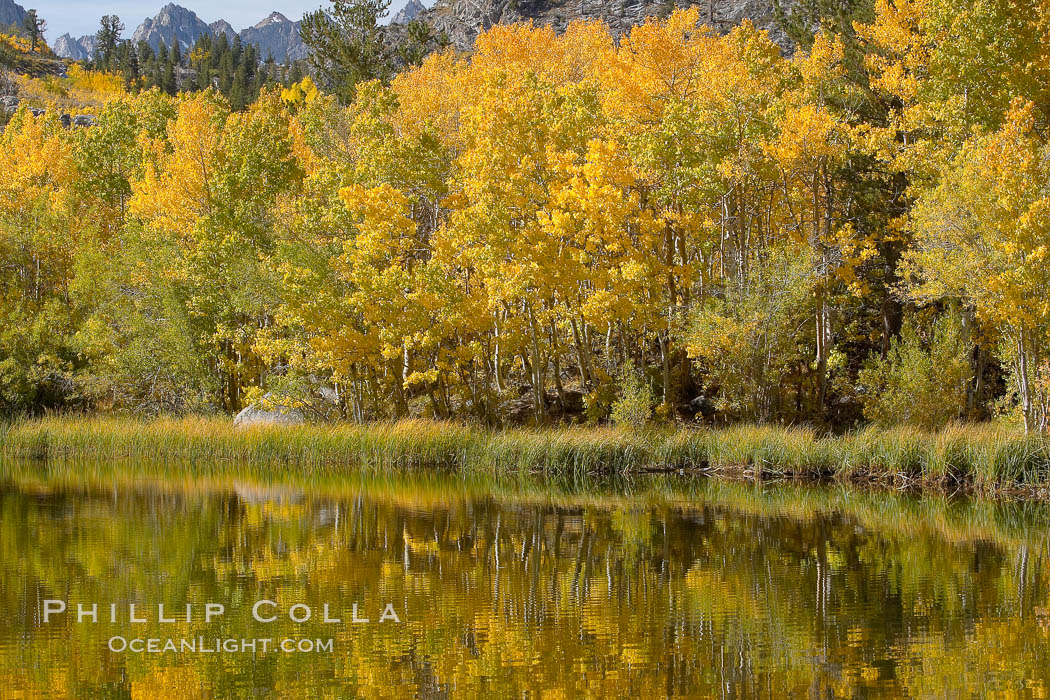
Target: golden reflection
point(654, 589)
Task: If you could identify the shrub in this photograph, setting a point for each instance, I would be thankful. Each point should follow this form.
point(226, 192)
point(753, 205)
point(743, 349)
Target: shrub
point(598, 402)
point(922, 380)
point(749, 338)
point(635, 405)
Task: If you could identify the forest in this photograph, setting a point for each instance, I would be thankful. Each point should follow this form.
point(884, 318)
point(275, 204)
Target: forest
point(677, 225)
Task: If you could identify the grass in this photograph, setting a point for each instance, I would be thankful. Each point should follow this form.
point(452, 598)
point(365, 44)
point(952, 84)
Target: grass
point(984, 458)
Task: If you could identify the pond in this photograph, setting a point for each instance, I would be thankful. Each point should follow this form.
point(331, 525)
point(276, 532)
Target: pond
point(477, 586)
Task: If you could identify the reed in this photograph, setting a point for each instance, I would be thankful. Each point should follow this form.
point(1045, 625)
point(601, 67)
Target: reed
point(984, 457)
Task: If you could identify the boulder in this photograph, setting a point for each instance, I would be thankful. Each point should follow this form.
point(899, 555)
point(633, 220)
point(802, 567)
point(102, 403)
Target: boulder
point(84, 120)
point(277, 415)
point(701, 407)
point(573, 401)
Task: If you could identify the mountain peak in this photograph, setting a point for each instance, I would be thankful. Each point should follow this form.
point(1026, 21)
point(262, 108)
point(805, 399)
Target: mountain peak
point(221, 27)
point(409, 12)
point(276, 36)
point(82, 49)
point(173, 9)
point(173, 24)
point(273, 17)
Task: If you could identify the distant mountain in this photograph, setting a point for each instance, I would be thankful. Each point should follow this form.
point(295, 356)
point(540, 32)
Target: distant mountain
point(172, 24)
point(222, 27)
point(409, 12)
point(276, 36)
point(82, 49)
point(460, 20)
point(12, 13)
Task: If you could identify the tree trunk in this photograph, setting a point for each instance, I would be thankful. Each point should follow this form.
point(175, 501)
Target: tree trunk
point(581, 355)
point(665, 363)
point(538, 381)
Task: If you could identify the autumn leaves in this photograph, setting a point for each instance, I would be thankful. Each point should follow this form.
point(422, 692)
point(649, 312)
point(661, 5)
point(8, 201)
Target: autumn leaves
point(543, 217)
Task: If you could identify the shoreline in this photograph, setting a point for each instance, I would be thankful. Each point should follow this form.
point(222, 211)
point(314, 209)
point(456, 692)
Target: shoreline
point(979, 459)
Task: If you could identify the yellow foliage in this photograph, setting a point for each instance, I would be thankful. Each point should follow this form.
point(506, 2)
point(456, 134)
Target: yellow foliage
point(80, 90)
point(303, 92)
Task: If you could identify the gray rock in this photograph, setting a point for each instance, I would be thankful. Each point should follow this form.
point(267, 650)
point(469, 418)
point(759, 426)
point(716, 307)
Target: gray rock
point(9, 103)
point(701, 406)
point(82, 49)
point(278, 415)
point(573, 401)
point(463, 20)
point(222, 28)
point(11, 13)
point(409, 12)
point(84, 120)
point(172, 25)
point(276, 36)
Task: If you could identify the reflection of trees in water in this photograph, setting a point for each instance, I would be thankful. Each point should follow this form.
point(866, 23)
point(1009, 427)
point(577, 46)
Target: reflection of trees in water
point(501, 597)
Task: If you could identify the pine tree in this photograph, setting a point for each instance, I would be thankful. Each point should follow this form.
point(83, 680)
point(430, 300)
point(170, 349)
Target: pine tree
point(106, 41)
point(35, 28)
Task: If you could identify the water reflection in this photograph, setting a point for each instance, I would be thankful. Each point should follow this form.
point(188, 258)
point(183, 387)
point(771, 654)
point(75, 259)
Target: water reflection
point(660, 587)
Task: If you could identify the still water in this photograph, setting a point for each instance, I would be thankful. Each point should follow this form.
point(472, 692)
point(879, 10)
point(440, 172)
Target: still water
point(658, 586)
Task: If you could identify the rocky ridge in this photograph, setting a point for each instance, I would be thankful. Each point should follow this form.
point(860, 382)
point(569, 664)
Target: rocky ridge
point(276, 36)
point(409, 12)
point(463, 20)
point(222, 27)
point(173, 24)
point(11, 13)
point(460, 20)
point(82, 49)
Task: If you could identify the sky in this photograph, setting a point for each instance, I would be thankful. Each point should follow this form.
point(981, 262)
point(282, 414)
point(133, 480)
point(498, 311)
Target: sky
point(78, 17)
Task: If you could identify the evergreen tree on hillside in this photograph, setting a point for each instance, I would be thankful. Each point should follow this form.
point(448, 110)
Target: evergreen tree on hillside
point(347, 44)
point(106, 40)
point(34, 27)
point(126, 61)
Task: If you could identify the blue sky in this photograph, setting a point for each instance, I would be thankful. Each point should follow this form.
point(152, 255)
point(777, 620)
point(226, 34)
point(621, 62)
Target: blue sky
point(78, 17)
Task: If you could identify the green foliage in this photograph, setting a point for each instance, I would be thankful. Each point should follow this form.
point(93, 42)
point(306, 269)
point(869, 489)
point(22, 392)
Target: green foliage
point(234, 69)
point(751, 339)
point(923, 379)
point(418, 41)
point(802, 19)
point(34, 27)
point(634, 407)
point(347, 44)
point(598, 402)
point(106, 41)
point(145, 361)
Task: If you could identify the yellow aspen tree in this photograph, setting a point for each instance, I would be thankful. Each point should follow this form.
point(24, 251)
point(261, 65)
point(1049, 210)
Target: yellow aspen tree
point(207, 201)
point(982, 236)
point(42, 229)
point(811, 149)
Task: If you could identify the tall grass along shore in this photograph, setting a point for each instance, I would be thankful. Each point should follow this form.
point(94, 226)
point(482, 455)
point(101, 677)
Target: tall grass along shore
point(985, 458)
